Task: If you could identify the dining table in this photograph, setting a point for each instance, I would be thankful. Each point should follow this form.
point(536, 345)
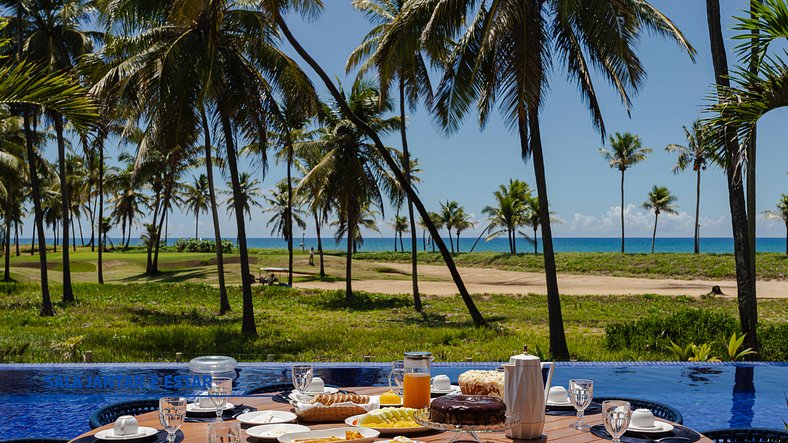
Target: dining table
point(556, 428)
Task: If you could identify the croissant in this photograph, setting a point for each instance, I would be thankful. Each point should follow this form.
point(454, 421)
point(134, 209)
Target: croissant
point(330, 399)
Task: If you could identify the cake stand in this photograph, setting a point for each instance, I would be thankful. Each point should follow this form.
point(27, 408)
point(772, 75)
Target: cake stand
point(464, 432)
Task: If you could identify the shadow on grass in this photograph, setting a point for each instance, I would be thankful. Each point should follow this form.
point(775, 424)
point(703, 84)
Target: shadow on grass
point(361, 301)
point(313, 278)
point(175, 276)
point(151, 317)
point(435, 320)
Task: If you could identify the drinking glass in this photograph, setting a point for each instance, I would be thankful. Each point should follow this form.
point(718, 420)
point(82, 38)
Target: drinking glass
point(172, 412)
point(221, 388)
point(581, 392)
point(224, 432)
point(396, 378)
point(302, 377)
point(617, 414)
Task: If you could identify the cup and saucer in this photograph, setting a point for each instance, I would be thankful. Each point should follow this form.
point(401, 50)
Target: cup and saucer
point(558, 398)
point(642, 422)
point(125, 428)
point(204, 405)
point(441, 385)
point(318, 386)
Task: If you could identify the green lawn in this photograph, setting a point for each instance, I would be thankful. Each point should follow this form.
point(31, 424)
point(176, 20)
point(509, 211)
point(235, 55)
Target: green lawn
point(152, 321)
point(771, 266)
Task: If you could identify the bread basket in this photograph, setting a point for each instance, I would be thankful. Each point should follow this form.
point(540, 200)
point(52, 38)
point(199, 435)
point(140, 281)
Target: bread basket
point(337, 412)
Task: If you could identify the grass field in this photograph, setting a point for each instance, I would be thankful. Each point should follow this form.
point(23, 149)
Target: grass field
point(153, 321)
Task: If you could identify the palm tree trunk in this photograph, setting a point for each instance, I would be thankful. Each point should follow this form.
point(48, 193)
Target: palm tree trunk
point(536, 242)
point(93, 224)
point(16, 237)
point(224, 302)
point(73, 236)
point(395, 241)
point(319, 245)
point(196, 223)
point(423, 240)
point(289, 218)
point(654, 235)
point(54, 235)
point(68, 291)
point(164, 211)
point(392, 164)
point(745, 278)
point(752, 213)
point(458, 241)
point(35, 187)
point(248, 327)
point(81, 235)
point(786, 237)
point(697, 215)
point(33, 238)
point(152, 231)
point(558, 347)
point(480, 237)
point(406, 170)
point(622, 211)
point(100, 145)
point(451, 240)
point(7, 242)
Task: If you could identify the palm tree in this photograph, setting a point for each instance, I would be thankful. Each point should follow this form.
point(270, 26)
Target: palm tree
point(437, 222)
point(509, 212)
point(351, 171)
point(248, 194)
point(278, 203)
point(12, 144)
point(696, 153)
point(411, 73)
point(448, 215)
point(625, 150)
point(660, 200)
point(317, 201)
point(196, 199)
point(461, 222)
point(780, 214)
point(400, 225)
point(128, 199)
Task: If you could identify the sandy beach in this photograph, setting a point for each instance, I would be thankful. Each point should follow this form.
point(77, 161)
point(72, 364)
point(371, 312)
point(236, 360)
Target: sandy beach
point(436, 280)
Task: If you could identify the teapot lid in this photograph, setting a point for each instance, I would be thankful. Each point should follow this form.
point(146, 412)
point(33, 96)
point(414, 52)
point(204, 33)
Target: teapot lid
point(524, 359)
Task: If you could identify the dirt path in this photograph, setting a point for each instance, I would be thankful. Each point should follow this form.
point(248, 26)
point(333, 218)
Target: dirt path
point(496, 281)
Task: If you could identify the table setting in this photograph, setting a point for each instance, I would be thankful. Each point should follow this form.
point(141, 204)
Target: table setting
point(513, 402)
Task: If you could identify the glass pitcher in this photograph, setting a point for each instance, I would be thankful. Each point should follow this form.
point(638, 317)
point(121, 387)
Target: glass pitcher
point(416, 383)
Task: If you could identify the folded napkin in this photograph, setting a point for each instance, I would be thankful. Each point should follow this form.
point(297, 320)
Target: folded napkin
point(160, 437)
point(229, 414)
point(681, 433)
point(593, 409)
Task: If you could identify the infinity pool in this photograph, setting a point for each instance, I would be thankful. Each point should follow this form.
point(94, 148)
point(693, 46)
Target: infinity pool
point(47, 401)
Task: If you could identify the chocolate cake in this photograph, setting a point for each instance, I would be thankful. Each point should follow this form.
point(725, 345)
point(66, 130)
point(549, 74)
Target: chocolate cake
point(469, 410)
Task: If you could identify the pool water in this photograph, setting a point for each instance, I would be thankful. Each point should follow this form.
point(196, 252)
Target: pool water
point(43, 400)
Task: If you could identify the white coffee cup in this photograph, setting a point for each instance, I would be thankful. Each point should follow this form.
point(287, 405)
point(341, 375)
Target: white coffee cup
point(558, 394)
point(317, 385)
point(441, 383)
point(642, 418)
point(205, 402)
point(125, 425)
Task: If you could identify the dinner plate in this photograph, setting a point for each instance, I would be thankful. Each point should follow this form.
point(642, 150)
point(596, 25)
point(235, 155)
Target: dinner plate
point(351, 421)
point(559, 404)
point(266, 417)
point(272, 432)
point(193, 408)
point(454, 388)
point(659, 427)
point(368, 435)
point(109, 434)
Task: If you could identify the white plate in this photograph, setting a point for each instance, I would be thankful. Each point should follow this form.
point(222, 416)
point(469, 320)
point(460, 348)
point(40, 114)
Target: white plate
point(454, 388)
point(385, 431)
point(193, 408)
point(559, 404)
point(264, 431)
point(266, 417)
point(369, 435)
point(659, 427)
point(109, 434)
point(326, 390)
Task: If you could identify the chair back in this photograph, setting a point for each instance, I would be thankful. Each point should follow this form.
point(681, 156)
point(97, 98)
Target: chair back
point(108, 414)
point(548, 368)
point(747, 435)
point(660, 410)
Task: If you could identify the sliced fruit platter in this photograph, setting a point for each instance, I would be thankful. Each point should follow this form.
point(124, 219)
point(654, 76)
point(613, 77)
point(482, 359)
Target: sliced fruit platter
point(388, 421)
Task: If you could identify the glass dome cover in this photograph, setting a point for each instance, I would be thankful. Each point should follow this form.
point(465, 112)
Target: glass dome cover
point(212, 364)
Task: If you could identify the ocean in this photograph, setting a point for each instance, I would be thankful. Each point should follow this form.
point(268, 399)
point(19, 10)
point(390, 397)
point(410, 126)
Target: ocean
point(635, 245)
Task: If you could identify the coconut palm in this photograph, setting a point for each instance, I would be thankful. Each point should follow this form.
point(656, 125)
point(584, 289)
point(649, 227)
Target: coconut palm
point(351, 171)
point(625, 151)
point(461, 222)
point(196, 199)
point(278, 204)
point(437, 222)
point(509, 212)
point(780, 214)
point(248, 195)
point(533, 218)
point(128, 199)
point(318, 202)
point(695, 154)
point(12, 143)
point(410, 72)
point(660, 200)
point(448, 214)
point(401, 225)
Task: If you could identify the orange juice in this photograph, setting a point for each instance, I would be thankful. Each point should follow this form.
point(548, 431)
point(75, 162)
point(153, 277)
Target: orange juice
point(416, 390)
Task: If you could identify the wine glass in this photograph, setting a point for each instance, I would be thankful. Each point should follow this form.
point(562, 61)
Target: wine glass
point(397, 376)
point(224, 432)
point(617, 414)
point(221, 388)
point(172, 412)
point(302, 377)
point(581, 392)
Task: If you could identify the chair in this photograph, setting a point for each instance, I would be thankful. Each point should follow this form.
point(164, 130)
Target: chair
point(660, 410)
point(270, 388)
point(108, 414)
point(747, 435)
point(35, 440)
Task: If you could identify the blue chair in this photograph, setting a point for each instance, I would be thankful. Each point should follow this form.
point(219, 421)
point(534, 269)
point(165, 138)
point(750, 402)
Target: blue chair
point(660, 410)
point(747, 435)
point(108, 414)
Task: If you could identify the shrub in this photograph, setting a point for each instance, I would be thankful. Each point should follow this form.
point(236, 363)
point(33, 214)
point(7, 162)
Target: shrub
point(198, 245)
point(654, 334)
point(774, 342)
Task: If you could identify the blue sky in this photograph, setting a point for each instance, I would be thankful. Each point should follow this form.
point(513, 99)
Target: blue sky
point(469, 165)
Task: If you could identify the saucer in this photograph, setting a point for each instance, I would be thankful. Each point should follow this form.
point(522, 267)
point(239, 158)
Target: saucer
point(109, 434)
point(196, 409)
point(326, 390)
point(658, 428)
point(563, 404)
point(453, 389)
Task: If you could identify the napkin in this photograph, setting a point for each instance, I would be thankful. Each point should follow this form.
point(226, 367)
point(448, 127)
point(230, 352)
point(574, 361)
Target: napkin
point(634, 437)
point(160, 437)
